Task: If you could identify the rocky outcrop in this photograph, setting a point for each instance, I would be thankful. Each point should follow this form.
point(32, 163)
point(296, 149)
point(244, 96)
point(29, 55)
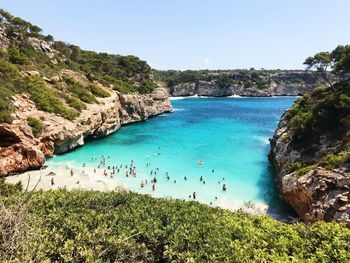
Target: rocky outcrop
point(280, 84)
point(20, 151)
point(314, 192)
point(41, 45)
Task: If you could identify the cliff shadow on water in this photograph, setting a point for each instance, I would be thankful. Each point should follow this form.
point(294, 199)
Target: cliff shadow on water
point(268, 192)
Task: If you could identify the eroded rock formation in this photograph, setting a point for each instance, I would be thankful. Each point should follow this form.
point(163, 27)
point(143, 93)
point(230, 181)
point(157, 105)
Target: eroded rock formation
point(316, 193)
point(280, 84)
point(20, 150)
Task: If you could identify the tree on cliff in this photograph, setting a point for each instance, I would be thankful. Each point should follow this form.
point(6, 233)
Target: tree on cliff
point(336, 63)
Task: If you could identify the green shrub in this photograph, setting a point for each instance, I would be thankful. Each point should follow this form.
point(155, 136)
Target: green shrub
point(8, 70)
point(74, 103)
point(6, 104)
point(295, 166)
point(9, 189)
point(332, 161)
point(16, 56)
point(5, 117)
point(304, 170)
point(147, 87)
point(45, 98)
point(123, 87)
point(82, 226)
point(37, 126)
point(82, 93)
point(97, 91)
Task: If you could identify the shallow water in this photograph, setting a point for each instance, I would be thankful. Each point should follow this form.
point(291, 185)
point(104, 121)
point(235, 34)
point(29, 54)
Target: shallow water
point(230, 136)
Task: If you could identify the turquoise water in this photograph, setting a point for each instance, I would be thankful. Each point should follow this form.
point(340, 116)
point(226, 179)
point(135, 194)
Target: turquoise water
point(230, 136)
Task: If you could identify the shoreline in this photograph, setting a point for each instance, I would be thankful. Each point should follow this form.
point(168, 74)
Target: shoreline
point(196, 96)
point(85, 179)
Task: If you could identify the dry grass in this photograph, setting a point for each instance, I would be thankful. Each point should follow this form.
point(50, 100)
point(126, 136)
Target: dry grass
point(14, 230)
point(17, 234)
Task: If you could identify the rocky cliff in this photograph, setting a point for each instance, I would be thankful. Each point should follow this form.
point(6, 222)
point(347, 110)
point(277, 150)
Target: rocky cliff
point(310, 152)
point(258, 83)
point(54, 96)
point(20, 150)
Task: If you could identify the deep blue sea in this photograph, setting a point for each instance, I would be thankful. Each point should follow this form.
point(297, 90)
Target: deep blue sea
point(230, 136)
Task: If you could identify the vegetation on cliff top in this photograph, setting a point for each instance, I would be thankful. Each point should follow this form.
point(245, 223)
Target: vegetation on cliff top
point(81, 226)
point(261, 79)
point(31, 63)
point(325, 112)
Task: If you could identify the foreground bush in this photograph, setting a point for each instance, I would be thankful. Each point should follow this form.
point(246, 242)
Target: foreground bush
point(127, 227)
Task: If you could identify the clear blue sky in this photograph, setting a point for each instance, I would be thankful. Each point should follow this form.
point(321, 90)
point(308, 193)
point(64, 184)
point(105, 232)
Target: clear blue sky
point(196, 34)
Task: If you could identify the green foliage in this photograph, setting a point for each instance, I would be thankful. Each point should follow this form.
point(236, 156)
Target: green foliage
point(7, 190)
point(122, 73)
point(125, 73)
point(147, 87)
point(45, 98)
point(81, 226)
point(6, 107)
point(16, 56)
point(223, 78)
point(74, 102)
point(5, 116)
point(174, 77)
point(37, 126)
point(300, 168)
point(324, 112)
point(304, 170)
point(332, 161)
point(97, 91)
point(121, 86)
point(338, 61)
point(81, 92)
point(8, 70)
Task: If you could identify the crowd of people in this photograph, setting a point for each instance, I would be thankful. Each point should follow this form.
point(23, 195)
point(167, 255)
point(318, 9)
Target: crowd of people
point(129, 170)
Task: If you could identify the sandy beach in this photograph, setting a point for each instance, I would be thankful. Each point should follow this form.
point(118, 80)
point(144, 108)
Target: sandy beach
point(87, 178)
point(59, 176)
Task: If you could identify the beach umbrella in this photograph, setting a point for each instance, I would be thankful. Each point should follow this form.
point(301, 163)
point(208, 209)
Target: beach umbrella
point(51, 174)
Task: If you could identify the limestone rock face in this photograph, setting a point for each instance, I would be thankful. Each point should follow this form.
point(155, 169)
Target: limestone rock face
point(183, 89)
point(281, 84)
point(320, 194)
point(20, 151)
point(42, 45)
point(4, 41)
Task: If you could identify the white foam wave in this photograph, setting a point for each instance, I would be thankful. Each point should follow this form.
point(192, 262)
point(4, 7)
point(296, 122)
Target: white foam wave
point(183, 97)
point(178, 109)
point(263, 139)
point(235, 96)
